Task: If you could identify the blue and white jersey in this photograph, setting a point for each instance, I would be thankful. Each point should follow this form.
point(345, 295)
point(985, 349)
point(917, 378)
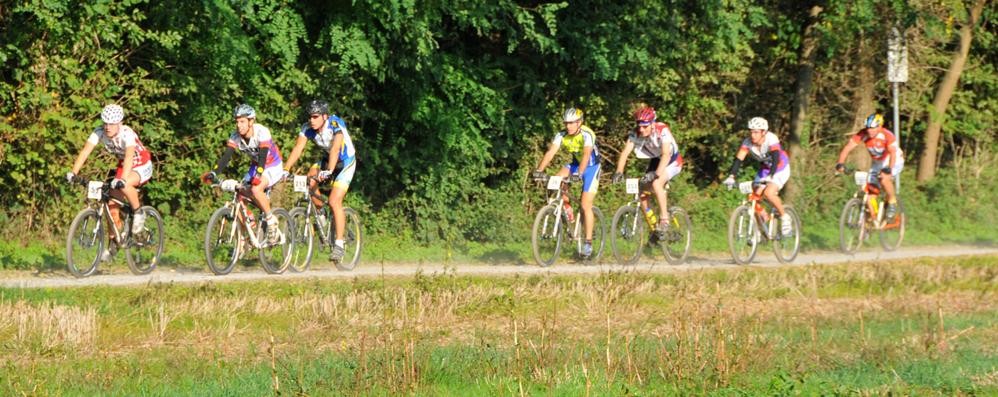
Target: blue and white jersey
point(324, 137)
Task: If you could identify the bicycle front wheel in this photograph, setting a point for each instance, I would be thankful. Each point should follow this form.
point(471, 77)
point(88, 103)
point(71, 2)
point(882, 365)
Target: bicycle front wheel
point(786, 246)
point(679, 238)
point(84, 243)
point(303, 235)
point(852, 226)
point(146, 247)
point(223, 241)
point(743, 236)
point(892, 233)
point(276, 258)
point(352, 241)
point(627, 235)
point(547, 236)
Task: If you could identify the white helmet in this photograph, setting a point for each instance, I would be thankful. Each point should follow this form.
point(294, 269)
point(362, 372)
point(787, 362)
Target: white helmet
point(112, 114)
point(758, 123)
point(244, 110)
point(572, 115)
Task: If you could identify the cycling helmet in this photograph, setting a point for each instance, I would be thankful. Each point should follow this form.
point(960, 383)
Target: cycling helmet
point(758, 123)
point(317, 107)
point(645, 115)
point(112, 114)
point(244, 110)
point(875, 120)
point(572, 115)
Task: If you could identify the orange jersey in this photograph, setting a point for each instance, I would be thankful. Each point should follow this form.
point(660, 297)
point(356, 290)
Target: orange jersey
point(877, 141)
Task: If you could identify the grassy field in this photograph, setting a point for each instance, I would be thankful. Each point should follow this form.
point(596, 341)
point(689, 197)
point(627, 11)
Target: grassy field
point(927, 327)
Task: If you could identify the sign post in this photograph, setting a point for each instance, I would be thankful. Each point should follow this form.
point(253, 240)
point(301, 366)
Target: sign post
point(897, 72)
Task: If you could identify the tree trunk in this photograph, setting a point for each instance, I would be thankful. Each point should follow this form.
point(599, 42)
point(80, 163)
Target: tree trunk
point(802, 94)
point(863, 98)
point(927, 165)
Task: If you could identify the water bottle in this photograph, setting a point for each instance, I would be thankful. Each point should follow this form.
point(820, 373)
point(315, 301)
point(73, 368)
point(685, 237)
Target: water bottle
point(874, 206)
point(568, 213)
point(248, 215)
point(651, 218)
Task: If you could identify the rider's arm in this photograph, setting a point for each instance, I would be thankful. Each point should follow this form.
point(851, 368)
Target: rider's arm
point(664, 161)
point(552, 150)
point(584, 163)
point(126, 163)
point(261, 155)
point(893, 153)
point(334, 152)
point(224, 160)
point(737, 164)
point(82, 157)
point(850, 144)
point(296, 152)
point(622, 160)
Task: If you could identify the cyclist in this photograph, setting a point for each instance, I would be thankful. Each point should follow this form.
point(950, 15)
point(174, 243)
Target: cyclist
point(765, 147)
point(265, 165)
point(652, 140)
point(580, 141)
point(337, 161)
point(133, 170)
point(888, 159)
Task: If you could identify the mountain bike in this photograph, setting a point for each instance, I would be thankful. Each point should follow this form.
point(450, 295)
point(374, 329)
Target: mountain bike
point(549, 226)
point(234, 229)
point(756, 221)
point(628, 231)
point(311, 234)
point(88, 238)
point(864, 213)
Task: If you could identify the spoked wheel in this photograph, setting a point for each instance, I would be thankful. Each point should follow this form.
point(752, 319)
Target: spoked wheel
point(893, 231)
point(352, 240)
point(787, 246)
point(547, 236)
point(599, 236)
point(303, 235)
point(223, 241)
point(627, 235)
point(276, 258)
point(85, 243)
point(146, 247)
point(678, 238)
point(743, 236)
point(852, 226)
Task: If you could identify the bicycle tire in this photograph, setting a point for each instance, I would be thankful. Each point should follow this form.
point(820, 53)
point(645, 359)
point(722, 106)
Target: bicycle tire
point(892, 234)
point(303, 234)
point(138, 252)
point(275, 259)
point(741, 235)
point(222, 237)
point(627, 235)
point(547, 228)
point(853, 218)
point(94, 237)
point(779, 243)
point(680, 230)
point(352, 241)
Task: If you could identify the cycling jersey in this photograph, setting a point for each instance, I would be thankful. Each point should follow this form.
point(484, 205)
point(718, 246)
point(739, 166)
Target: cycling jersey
point(877, 141)
point(575, 143)
point(261, 140)
point(651, 147)
point(324, 138)
point(126, 138)
point(761, 152)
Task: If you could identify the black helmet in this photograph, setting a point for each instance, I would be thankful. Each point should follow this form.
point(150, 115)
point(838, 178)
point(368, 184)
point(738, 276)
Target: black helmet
point(317, 107)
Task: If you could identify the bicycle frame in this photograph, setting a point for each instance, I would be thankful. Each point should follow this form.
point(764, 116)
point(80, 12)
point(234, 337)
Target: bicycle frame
point(307, 194)
point(100, 195)
point(557, 188)
point(868, 191)
point(753, 199)
point(239, 210)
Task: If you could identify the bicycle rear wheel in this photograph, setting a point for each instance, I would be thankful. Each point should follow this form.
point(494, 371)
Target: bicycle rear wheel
point(743, 235)
point(276, 258)
point(679, 238)
point(547, 235)
point(84, 243)
point(352, 241)
point(892, 233)
point(223, 241)
point(303, 235)
point(852, 226)
point(146, 247)
point(627, 235)
point(787, 246)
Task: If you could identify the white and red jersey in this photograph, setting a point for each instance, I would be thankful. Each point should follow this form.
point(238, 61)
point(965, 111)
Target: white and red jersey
point(126, 138)
point(770, 143)
point(877, 142)
point(261, 140)
point(652, 146)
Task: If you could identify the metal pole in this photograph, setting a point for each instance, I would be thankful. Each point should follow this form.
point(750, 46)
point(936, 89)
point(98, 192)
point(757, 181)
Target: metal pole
point(897, 129)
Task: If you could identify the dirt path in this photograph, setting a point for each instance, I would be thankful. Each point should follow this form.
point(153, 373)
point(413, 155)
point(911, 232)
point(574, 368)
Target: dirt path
point(764, 259)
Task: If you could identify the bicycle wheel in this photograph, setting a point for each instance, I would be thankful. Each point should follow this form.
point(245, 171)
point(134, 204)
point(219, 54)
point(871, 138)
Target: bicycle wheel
point(852, 226)
point(223, 241)
point(276, 258)
point(892, 233)
point(743, 236)
point(84, 243)
point(303, 235)
point(787, 246)
point(146, 247)
point(547, 235)
point(679, 238)
point(352, 241)
point(599, 236)
point(627, 235)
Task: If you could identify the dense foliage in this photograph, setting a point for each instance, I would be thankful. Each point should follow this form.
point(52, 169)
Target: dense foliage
point(451, 102)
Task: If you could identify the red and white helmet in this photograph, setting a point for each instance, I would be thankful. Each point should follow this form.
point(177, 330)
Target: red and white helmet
point(112, 114)
point(645, 115)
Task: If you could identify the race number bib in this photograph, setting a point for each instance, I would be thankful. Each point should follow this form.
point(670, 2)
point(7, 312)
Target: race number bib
point(301, 183)
point(94, 190)
point(861, 178)
point(745, 187)
point(554, 183)
point(631, 185)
